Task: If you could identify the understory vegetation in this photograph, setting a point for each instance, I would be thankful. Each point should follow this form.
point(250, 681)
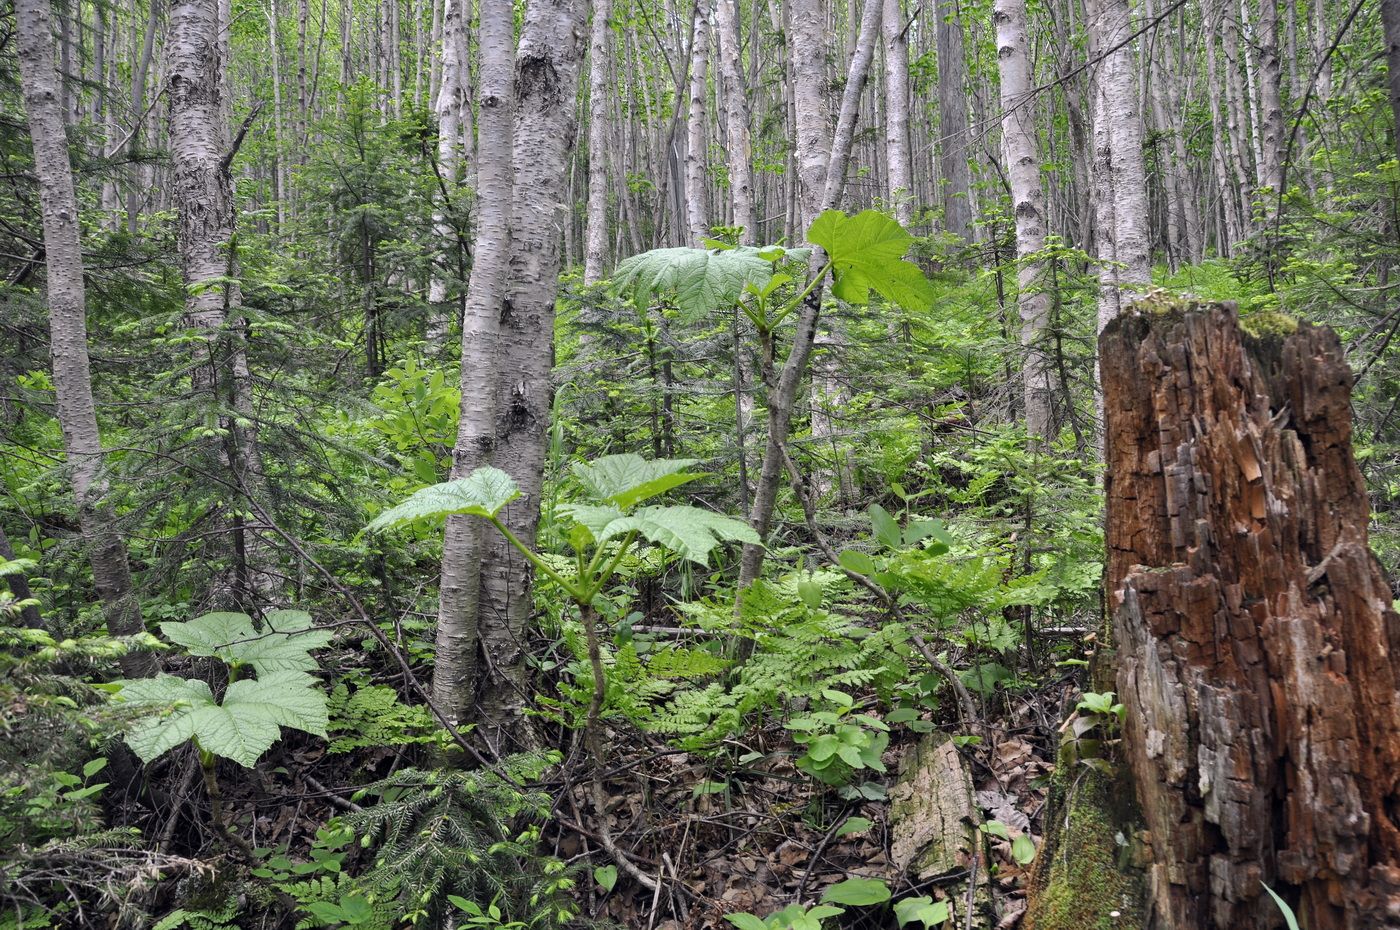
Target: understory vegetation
point(422, 640)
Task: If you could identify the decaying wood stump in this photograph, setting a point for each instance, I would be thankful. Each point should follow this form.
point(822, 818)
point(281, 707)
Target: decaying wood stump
point(933, 826)
point(1258, 654)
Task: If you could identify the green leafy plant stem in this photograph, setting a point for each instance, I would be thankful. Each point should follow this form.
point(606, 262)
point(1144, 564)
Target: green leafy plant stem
point(766, 323)
point(208, 766)
point(583, 596)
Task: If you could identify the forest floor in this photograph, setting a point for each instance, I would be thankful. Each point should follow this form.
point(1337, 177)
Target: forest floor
point(754, 837)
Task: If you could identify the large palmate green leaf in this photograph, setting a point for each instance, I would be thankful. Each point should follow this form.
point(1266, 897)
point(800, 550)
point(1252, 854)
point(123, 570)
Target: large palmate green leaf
point(700, 281)
point(867, 251)
point(595, 518)
point(629, 479)
point(242, 728)
point(284, 646)
point(689, 532)
point(483, 493)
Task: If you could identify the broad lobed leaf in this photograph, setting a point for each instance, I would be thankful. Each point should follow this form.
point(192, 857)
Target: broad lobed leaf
point(690, 532)
point(701, 280)
point(483, 493)
point(867, 252)
point(629, 479)
point(285, 645)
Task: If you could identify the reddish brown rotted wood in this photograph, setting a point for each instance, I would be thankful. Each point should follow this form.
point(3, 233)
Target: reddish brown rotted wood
point(1258, 654)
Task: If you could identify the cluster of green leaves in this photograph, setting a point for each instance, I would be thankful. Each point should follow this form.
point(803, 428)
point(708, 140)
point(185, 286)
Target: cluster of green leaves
point(804, 642)
point(839, 741)
point(1097, 719)
point(919, 911)
point(248, 719)
point(863, 252)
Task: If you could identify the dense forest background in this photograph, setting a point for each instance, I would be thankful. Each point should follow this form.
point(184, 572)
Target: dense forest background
point(757, 342)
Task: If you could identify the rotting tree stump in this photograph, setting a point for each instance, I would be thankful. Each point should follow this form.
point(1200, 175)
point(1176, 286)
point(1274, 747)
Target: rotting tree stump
point(1258, 654)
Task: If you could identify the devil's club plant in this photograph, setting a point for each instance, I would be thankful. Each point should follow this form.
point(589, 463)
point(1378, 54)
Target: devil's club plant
point(249, 718)
point(601, 527)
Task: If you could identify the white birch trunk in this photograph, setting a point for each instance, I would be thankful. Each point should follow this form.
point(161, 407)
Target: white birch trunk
point(547, 73)
point(459, 596)
point(200, 157)
point(451, 106)
point(740, 146)
point(67, 299)
point(599, 133)
point(899, 167)
point(1271, 105)
point(812, 117)
point(954, 143)
point(697, 144)
point(1120, 176)
point(1020, 150)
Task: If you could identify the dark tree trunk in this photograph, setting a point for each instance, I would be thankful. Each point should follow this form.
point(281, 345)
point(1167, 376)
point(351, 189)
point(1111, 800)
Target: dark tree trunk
point(1258, 654)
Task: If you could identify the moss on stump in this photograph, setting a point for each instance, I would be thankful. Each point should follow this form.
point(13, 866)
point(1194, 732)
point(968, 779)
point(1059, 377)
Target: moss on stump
point(1085, 877)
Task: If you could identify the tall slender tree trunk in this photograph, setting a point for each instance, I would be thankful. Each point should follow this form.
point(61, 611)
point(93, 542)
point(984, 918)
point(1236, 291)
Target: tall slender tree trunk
point(897, 160)
point(822, 180)
point(546, 82)
point(459, 596)
point(955, 145)
point(280, 150)
point(1270, 104)
point(697, 136)
point(599, 133)
point(67, 299)
point(453, 107)
point(1122, 240)
point(740, 147)
point(1022, 155)
point(1390, 17)
point(812, 117)
point(200, 157)
point(138, 106)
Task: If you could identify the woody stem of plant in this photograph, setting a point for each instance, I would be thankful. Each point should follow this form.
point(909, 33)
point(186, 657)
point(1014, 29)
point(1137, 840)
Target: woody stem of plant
point(593, 739)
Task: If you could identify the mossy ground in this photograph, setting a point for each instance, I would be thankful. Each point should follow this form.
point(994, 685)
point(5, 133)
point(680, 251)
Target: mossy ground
point(1085, 881)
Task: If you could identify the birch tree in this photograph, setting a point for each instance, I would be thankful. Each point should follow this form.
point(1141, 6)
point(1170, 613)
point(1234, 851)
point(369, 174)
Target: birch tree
point(459, 594)
point(200, 156)
point(599, 132)
point(898, 165)
point(454, 113)
point(1390, 17)
point(740, 147)
point(67, 299)
point(954, 143)
point(1121, 205)
point(1021, 153)
point(822, 161)
point(546, 83)
point(1270, 105)
point(697, 145)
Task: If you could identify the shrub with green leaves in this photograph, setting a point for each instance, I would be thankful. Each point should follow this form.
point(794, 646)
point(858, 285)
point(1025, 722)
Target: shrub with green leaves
point(839, 741)
point(248, 719)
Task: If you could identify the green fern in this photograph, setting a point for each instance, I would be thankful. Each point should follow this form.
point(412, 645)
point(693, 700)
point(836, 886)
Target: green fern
point(373, 715)
point(220, 918)
point(799, 652)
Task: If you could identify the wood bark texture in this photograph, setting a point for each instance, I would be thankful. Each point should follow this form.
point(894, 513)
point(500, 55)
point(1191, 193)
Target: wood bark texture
point(67, 298)
point(1258, 654)
point(459, 594)
point(547, 65)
